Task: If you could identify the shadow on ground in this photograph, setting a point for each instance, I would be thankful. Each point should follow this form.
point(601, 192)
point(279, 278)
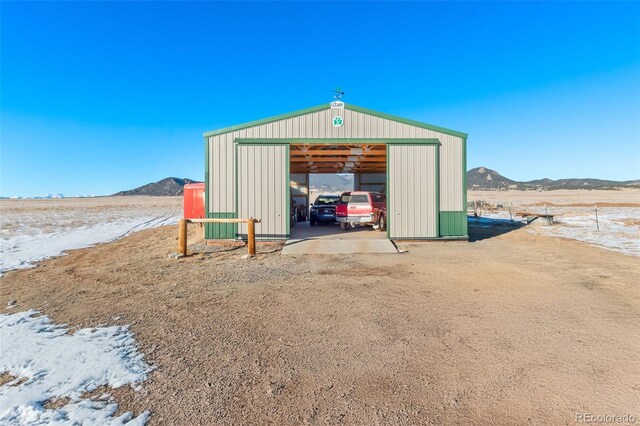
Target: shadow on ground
point(482, 228)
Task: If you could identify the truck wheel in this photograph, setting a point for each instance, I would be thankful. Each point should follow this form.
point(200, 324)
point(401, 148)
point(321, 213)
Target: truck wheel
point(344, 226)
point(382, 223)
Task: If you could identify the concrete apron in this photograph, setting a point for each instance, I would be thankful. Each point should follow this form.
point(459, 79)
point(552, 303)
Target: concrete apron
point(337, 246)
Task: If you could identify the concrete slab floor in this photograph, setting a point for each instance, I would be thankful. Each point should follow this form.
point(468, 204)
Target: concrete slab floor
point(330, 239)
point(331, 231)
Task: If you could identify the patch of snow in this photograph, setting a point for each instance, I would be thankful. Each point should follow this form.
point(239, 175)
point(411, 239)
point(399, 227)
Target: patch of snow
point(59, 365)
point(39, 237)
point(619, 226)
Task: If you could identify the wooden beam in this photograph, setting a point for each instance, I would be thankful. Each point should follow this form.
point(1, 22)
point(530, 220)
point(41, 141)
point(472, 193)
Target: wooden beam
point(338, 160)
point(338, 152)
point(340, 170)
point(230, 220)
point(182, 232)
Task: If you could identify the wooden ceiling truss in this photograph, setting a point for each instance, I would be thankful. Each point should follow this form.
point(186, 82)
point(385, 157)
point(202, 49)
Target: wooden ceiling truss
point(349, 158)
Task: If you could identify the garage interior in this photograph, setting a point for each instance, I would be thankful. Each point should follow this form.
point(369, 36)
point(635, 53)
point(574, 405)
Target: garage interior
point(367, 163)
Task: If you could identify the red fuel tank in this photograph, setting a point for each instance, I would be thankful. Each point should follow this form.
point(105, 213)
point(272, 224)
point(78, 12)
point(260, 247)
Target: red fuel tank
point(194, 201)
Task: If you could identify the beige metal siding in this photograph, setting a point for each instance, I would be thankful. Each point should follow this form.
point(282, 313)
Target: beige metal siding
point(222, 174)
point(263, 189)
point(411, 204)
point(451, 174)
point(319, 125)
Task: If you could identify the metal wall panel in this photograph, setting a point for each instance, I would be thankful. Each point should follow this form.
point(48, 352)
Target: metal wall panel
point(263, 189)
point(375, 182)
point(319, 125)
point(412, 207)
point(373, 177)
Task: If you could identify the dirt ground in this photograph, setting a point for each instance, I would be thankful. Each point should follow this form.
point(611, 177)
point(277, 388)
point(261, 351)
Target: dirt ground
point(511, 328)
point(627, 197)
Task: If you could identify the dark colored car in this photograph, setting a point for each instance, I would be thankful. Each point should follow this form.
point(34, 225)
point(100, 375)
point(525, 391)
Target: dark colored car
point(358, 208)
point(323, 209)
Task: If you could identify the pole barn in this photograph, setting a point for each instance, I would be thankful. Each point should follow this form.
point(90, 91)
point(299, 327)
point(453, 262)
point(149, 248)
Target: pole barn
point(254, 170)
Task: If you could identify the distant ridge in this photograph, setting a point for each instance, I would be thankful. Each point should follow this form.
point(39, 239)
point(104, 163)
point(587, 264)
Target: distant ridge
point(484, 178)
point(167, 187)
point(331, 183)
point(478, 178)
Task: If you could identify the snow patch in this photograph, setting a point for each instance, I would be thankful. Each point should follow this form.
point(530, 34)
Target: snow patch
point(57, 365)
point(30, 243)
point(619, 227)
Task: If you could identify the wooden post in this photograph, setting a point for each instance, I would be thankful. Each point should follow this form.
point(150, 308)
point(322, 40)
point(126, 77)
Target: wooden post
point(597, 223)
point(546, 215)
point(182, 237)
point(251, 237)
point(510, 214)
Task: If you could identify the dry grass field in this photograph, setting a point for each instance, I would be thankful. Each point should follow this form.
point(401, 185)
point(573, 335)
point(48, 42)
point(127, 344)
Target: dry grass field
point(513, 328)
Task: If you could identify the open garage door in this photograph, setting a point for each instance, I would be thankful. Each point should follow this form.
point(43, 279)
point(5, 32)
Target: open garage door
point(412, 196)
point(263, 189)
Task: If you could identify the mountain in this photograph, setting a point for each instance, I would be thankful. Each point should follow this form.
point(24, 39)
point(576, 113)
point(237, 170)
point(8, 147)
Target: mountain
point(331, 183)
point(484, 178)
point(170, 186)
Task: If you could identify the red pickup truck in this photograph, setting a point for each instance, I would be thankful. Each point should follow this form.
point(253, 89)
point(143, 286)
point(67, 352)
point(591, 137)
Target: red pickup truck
point(362, 208)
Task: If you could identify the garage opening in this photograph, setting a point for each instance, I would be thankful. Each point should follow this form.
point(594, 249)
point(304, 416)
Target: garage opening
point(319, 174)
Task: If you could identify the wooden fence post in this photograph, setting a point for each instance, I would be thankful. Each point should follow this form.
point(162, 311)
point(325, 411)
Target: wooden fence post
point(251, 237)
point(182, 237)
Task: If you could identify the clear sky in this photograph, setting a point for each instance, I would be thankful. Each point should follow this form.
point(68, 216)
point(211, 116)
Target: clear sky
point(98, 97)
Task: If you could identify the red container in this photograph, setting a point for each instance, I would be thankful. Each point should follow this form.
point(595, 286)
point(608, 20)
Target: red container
point(194, 201)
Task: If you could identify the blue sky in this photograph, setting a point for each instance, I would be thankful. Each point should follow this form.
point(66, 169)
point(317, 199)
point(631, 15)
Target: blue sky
point(98, 97)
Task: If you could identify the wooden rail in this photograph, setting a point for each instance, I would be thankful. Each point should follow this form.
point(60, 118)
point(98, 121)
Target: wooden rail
point(251, 231)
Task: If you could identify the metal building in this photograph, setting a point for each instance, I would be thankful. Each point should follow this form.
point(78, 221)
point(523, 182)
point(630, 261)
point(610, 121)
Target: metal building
point(254, 169)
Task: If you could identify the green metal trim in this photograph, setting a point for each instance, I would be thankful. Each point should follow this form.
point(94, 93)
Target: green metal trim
point(453, 224)
point(386, 190)
point(334, 141)
point(405, 121)
point(438, 191)
point(221, 231)
point(464, 175)
point(235, 189)
point(327, 106)
point(270, 142)
point(287, 189)
point(287, 184)
point(461, 238)
point(418, 142)
point(437, 172)
point(206, 175)
point(267, 120)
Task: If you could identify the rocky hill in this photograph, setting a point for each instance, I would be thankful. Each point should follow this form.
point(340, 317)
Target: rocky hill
point(170, 186)
point(484, 178)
